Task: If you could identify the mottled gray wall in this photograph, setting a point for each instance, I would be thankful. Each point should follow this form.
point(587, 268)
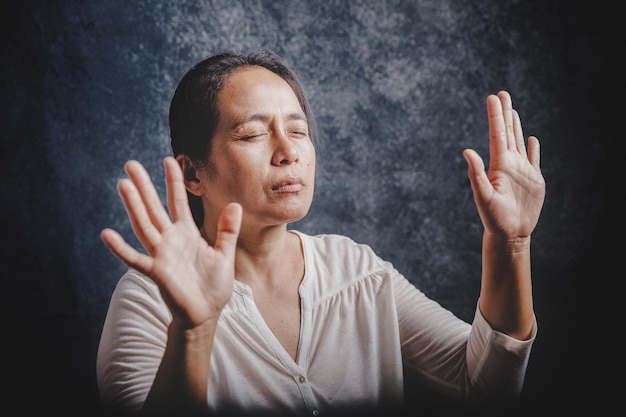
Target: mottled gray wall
point(398, 88)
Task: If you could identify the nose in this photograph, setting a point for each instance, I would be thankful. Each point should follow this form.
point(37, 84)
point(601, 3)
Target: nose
point(285, 152)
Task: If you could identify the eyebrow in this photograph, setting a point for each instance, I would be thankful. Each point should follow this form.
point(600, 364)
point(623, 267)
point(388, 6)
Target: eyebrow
point(264, 117)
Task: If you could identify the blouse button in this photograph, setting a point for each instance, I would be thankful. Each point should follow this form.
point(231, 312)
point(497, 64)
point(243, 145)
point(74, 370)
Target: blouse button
point(301, 379)
point(316, 413)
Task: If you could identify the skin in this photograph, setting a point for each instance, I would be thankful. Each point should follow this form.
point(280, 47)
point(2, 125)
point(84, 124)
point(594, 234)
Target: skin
point(509, 199)
point(263, 179)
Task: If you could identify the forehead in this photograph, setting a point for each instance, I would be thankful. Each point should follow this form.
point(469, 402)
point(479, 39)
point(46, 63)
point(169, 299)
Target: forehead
point(254, 86)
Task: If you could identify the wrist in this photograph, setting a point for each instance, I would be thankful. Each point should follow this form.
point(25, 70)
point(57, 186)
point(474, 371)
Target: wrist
point(511, 245)
point(190, 333)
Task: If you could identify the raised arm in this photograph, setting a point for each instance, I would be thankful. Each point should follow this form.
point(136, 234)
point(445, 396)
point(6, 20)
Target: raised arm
point(194, 278)
point(509, 198)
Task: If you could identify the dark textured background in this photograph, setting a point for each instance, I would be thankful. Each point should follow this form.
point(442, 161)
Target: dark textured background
point(399, 91)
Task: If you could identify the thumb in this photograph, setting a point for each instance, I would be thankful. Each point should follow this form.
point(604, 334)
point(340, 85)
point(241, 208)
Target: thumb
point(476, 173)
point(228, 228)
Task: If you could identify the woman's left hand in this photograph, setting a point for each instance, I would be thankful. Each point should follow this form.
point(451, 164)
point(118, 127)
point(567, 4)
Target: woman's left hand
point(509, 197)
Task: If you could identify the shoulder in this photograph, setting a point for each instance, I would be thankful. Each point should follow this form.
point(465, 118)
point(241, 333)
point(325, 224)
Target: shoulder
point(134, 281)
point(135, 299)
point(335, 244)
point(135, 291)
point(339, 253)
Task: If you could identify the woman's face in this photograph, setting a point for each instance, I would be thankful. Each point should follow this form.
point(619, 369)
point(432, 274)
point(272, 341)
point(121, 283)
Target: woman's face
point(263, 157)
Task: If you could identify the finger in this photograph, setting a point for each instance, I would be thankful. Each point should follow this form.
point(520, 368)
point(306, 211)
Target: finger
point(534, 151)
point(507, 113)
point(125, 252)
point(481, 187)
point(140, 221)
point(149, 195)
point(228, 228)
point(177, 199)
point(497, 129)
point(519, 134)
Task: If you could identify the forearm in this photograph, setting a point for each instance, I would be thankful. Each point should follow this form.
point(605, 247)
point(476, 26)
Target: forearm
point(506, 289)
point(181, 381)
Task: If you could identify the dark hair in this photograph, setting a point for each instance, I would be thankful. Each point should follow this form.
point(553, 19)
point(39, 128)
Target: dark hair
point(194, 114)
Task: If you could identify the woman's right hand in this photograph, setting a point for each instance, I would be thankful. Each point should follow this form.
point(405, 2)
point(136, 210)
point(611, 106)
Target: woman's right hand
point(195, 279)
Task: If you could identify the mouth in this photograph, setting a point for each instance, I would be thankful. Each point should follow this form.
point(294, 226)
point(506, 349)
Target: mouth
point(289, 185)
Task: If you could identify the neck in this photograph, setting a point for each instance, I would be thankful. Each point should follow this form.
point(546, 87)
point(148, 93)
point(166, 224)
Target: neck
point(268, 257)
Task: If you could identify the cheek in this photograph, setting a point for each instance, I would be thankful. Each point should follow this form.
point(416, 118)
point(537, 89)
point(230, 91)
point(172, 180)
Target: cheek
point(312, 162)
point(308, 151)
point(234, 166)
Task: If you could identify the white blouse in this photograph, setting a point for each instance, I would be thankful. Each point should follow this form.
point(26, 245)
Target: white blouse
point(362, 321)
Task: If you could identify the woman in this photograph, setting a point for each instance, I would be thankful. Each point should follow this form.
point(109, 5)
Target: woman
point(230, 311)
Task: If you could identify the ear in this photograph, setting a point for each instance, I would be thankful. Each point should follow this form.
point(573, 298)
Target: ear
point(190, 175)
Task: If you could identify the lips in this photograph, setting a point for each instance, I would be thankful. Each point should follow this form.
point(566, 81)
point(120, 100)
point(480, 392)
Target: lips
point(289, 185)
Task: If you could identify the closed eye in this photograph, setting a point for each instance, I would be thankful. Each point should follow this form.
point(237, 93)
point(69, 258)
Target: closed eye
point(254, 136)
point(297, 133)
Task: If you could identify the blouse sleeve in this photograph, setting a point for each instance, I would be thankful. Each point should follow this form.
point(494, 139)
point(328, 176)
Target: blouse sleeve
point(132, 343)
point(468, 361)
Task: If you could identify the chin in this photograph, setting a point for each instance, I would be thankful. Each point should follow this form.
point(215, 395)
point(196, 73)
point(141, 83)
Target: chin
point(294, 214)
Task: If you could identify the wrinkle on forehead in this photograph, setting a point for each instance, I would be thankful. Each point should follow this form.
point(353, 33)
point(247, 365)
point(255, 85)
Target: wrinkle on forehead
point(249, 90)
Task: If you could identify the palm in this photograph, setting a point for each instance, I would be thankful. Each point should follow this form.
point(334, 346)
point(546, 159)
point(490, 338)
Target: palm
point(181, 265)
point(510, 196)
point(194, 278)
